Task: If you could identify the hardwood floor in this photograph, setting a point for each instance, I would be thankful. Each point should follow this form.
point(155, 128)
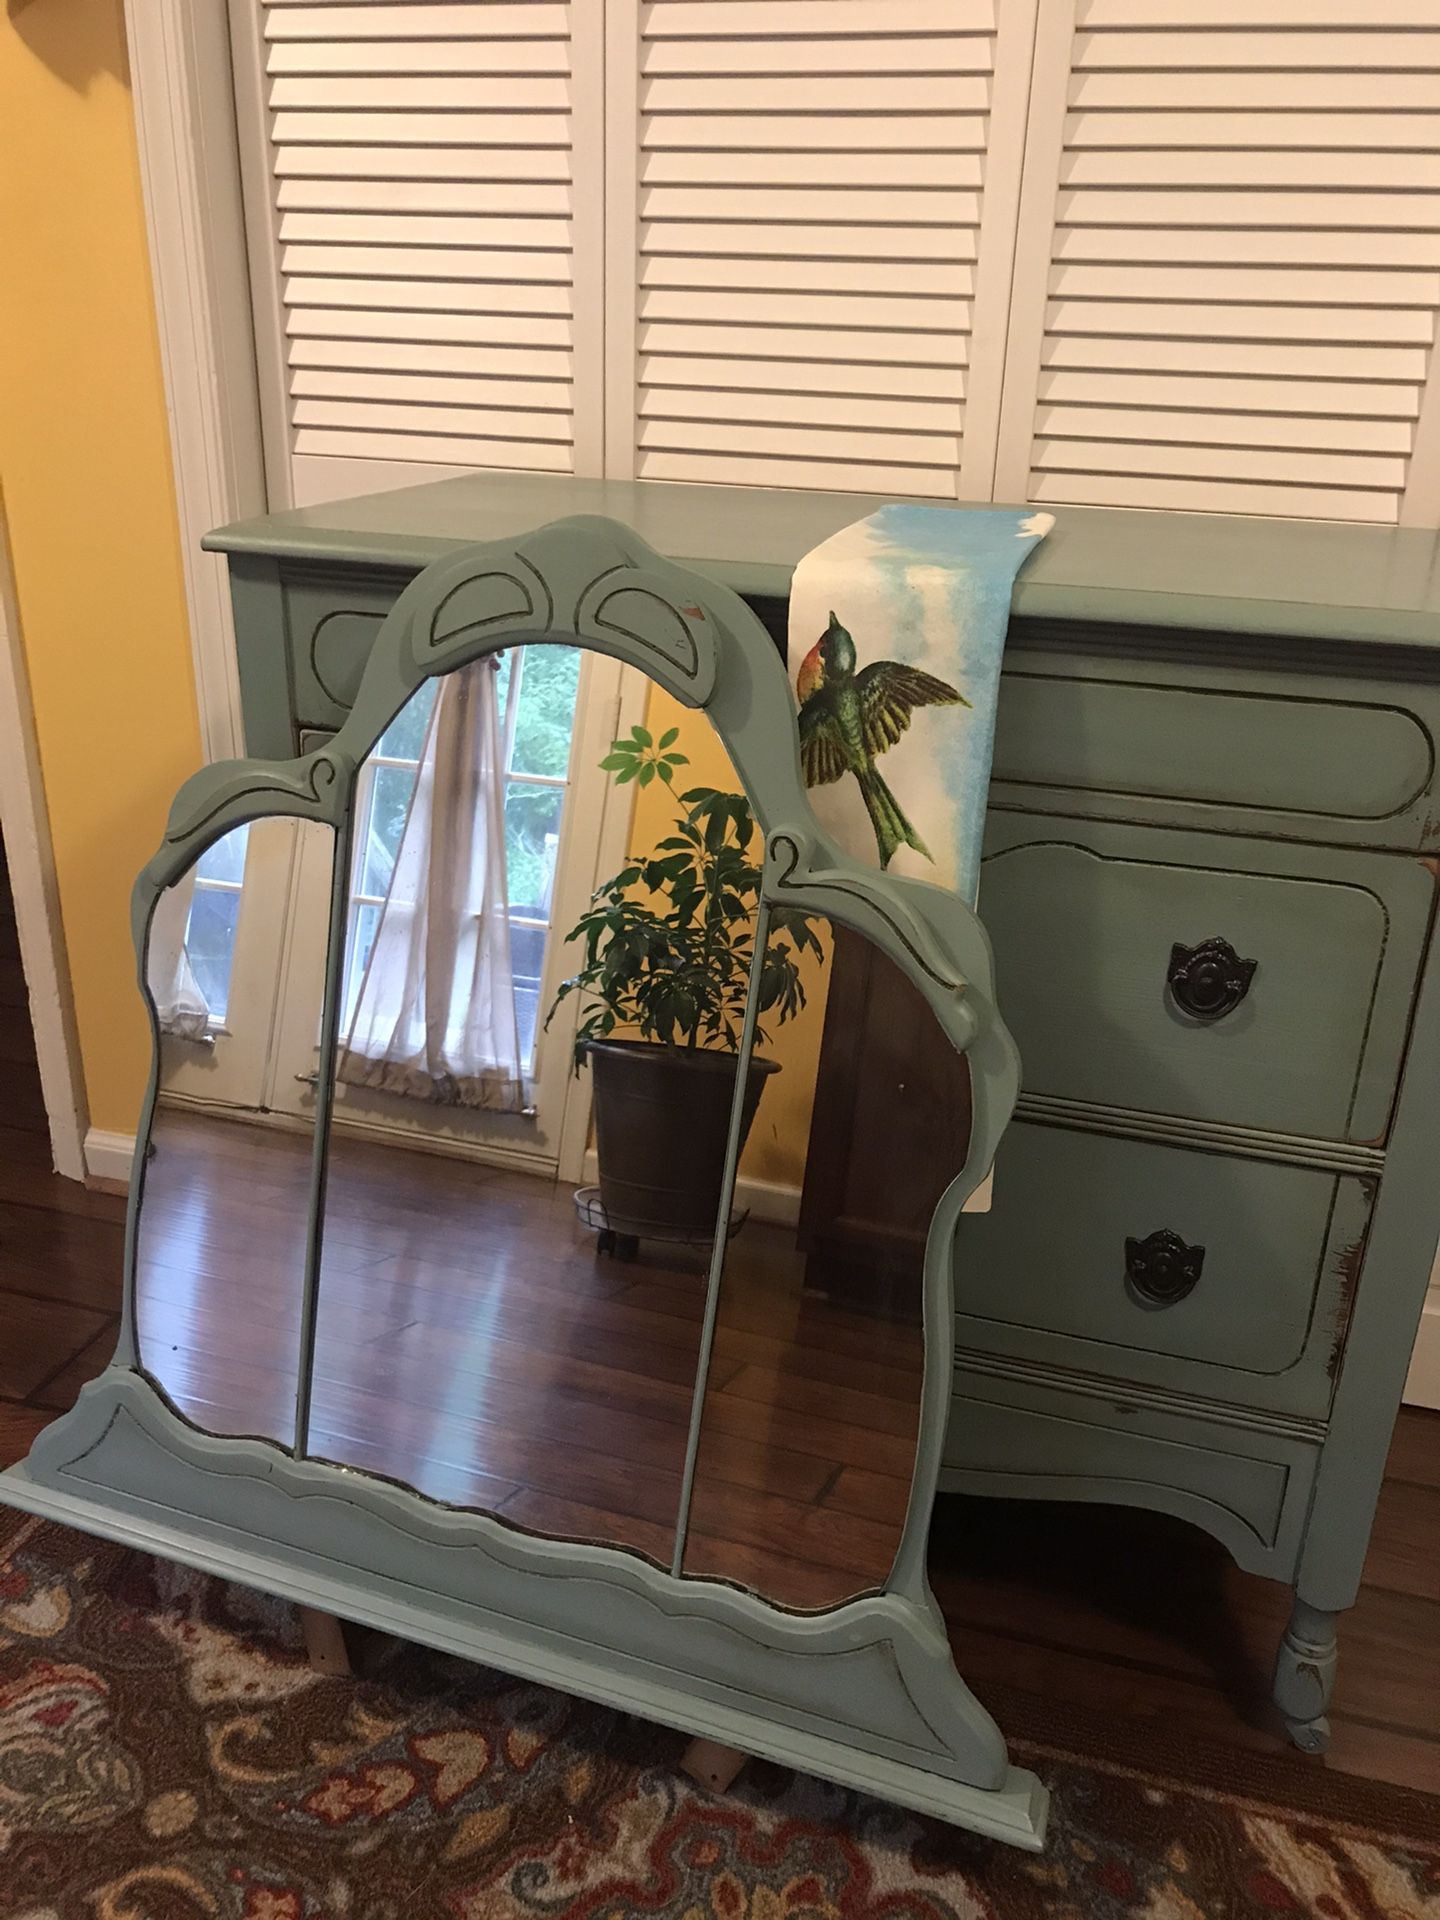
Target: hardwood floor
point(1128, 1616)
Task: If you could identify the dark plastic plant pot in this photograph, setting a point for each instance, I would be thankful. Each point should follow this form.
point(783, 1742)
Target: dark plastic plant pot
point(661, 1117)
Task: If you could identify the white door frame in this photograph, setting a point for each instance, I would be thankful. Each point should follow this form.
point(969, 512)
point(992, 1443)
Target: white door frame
point(33, 886)
point(190, 181)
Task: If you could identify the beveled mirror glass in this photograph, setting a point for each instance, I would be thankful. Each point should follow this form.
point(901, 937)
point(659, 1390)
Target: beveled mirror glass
point(224, 1220)
point(811, 1413)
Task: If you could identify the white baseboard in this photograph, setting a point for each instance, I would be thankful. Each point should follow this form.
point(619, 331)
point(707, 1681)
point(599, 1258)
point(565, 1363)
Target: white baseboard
point(108, 1155)
point(1422, 1389)
point(767, 1199)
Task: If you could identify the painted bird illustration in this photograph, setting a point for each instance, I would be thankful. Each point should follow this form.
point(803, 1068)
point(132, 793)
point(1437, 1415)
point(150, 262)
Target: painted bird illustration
point(848, 719)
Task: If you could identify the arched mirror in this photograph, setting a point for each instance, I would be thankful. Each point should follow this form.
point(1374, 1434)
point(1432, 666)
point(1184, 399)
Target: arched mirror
point(558, 1367)
point(223, 1224)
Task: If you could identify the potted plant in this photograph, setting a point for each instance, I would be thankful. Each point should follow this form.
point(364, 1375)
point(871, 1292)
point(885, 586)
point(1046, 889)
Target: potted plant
point(667, 945)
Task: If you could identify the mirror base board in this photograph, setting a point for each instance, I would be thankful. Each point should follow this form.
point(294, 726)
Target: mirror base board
point(123, 1466)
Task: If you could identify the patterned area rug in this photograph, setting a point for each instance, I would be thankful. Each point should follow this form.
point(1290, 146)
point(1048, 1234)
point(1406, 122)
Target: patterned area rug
point(167, 1754)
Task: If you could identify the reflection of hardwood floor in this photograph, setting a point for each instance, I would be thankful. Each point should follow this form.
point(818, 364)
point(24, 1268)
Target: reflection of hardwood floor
point(471, 1344)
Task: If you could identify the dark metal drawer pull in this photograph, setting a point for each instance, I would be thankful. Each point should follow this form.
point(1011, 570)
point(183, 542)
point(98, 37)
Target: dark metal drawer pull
point(1161, 1267)
point(1210, 980)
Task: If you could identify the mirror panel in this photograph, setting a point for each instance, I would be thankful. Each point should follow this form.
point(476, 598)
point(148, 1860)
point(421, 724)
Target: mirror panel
point(484, 1335)
point(811, 1413)
point(221, 1238)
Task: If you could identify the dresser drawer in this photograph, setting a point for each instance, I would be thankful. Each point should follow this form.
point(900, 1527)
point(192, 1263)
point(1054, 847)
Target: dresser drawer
point(1085, 917)
point(331, 620)
point(1215, 742)
point(1043, 1276)
point(1030, 1438)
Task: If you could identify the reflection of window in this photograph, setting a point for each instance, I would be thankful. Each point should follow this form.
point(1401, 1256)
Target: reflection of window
point(537, 711)
point(214, 916)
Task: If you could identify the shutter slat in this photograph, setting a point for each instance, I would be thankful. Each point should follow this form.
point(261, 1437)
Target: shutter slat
point(1155, 491)
point(1295, 286)
point(801, 442)
point(547, 306)
point(504, 92)
point(803, 93)
point(922, 54)
point(863, 245)
point(1244, 270)
point(534, 199)
point(433, 449)
point(1330, 399)
point(1222, 132)
point(543, 240)
point(772, 273)
point(422, 163)
point(465, 132)
point(1196, 52)
point(412, 416)
point(522, 397)
point(1411, 326)
point(818, 310)
point(839, 476)
point(712, 19)
point(494, 331)
point(823, 378)
point(1197, 428)
point(807, 409)
point(803, 344)
point(687, 167)
point(520, 363)
point(779, 132)
point(431, 263)
point(488, 21)
point(384, 58)
point(1338, 247)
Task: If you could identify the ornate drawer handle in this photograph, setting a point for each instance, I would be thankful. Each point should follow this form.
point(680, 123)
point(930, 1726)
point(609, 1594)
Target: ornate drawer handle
point(1210, 980)
point(1161, 1267)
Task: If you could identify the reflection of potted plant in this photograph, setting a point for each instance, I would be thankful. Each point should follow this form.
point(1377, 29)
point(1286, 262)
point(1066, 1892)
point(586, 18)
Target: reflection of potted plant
point(667, 946)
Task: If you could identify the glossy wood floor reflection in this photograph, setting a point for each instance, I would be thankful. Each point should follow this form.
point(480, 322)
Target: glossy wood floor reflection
point(471, 1344)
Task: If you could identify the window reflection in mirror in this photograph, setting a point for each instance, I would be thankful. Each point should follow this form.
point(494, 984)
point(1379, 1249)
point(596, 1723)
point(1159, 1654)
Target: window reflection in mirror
point(810, 1418)
point(221, 1239)
point(483, 1336)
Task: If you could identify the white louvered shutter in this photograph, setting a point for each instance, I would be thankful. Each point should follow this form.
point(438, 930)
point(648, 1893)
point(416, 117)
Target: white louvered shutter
point(434, 195)
point(1228, 270)
point(811, 216)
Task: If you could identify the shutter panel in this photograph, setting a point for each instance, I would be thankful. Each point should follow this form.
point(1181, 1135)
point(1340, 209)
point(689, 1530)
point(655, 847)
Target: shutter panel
point(1229, 269)
point(803, 200)
point(438, 248)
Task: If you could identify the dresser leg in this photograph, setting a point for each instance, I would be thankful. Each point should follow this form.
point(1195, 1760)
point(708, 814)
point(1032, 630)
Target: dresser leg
point(1305, 1676)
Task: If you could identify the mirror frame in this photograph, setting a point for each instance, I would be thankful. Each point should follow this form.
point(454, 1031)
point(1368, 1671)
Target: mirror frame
point(865, 1693)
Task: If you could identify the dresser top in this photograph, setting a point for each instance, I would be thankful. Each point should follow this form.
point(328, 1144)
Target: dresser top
point(1311, 579)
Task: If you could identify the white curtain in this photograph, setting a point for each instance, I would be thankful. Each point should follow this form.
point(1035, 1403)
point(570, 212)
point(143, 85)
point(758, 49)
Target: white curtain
point(179, 1004)
point(435, 1015)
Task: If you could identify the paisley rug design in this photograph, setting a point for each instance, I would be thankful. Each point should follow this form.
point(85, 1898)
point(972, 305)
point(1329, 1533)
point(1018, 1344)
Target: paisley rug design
point(167, 1754)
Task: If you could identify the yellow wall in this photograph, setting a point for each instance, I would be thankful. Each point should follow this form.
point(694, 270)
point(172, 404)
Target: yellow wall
point(778, 1139)
point(89, 501)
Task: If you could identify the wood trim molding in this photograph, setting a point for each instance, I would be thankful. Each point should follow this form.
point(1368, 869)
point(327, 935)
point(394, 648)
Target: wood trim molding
point(33, 887)
point(189, 170)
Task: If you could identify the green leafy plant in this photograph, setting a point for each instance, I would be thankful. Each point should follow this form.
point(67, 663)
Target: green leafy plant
point(668, 942)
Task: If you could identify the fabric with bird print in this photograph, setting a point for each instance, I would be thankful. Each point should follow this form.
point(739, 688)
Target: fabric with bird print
point(910, 607)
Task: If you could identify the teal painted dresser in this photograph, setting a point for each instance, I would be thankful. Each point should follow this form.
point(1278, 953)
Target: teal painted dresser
point(1210, 882)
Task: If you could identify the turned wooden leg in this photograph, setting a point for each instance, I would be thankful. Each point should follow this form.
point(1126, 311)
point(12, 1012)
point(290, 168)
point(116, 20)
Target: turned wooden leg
point(1305, 1675)
point(711, 1765)
point(324, 1641)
